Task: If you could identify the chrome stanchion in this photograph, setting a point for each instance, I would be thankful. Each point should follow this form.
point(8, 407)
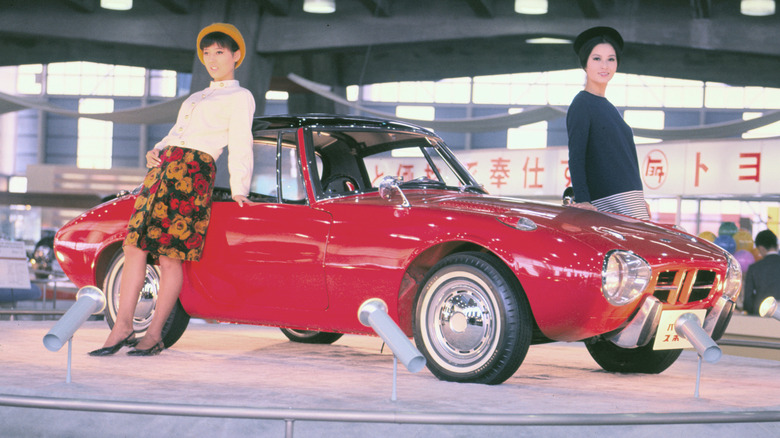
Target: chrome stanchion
point(769, 309)
point(89, 300)
point(373, 313)
point(689, 327)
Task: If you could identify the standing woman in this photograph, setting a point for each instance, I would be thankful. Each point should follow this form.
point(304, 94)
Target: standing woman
point(602, 155)
point(173, 208)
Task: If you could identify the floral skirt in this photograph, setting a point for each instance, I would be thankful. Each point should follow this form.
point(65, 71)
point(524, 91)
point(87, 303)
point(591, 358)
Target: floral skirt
point(172, 210)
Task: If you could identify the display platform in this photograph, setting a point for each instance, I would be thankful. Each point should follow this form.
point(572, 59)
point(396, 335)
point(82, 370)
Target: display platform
point(252, 369)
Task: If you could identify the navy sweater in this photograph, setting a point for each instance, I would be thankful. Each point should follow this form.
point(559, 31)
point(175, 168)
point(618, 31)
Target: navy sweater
point(602, 153)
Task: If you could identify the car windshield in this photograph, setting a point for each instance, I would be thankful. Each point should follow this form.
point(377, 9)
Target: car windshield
point(352, 162)
point(345, 161)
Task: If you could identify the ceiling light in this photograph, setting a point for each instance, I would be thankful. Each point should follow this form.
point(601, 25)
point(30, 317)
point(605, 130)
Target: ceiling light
point(757, 8)
point(531, 7)
point(319, 6)
point(547, 40)
point(117, 5)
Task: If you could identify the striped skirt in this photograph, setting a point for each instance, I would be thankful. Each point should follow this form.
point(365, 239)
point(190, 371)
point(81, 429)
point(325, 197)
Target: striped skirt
point(172, 210)
point(627, 203)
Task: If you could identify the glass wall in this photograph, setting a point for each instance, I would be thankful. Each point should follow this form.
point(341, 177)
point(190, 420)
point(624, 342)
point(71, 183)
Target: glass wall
point(646, 102)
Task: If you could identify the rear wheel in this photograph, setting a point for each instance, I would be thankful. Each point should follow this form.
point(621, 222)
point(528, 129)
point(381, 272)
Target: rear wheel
point(631, 360)
point(469, 322)
point(311, 336)
point(144, 311)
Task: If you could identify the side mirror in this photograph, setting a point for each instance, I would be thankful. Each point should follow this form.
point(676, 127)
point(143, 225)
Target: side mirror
point(389, 187)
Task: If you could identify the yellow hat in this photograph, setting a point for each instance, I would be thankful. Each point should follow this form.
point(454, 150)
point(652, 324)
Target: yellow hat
point(227, 29)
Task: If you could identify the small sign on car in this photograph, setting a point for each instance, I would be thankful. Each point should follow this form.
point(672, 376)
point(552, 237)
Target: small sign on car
point(666, 337)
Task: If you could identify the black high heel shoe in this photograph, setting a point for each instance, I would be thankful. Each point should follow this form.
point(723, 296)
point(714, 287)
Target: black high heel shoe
point(155, 350)
point(129, 341)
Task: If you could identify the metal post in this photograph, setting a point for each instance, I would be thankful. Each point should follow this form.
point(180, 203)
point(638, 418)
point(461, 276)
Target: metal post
point(70, 355)
point(698, 379)
point(393, 396)
point(288, 428)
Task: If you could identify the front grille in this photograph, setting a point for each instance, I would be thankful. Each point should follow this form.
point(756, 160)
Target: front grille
point(684, 285)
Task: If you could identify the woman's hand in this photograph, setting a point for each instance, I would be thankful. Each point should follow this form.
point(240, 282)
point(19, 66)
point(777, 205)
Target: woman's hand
point(153, 158)
point(241, 200)
point(584, 206)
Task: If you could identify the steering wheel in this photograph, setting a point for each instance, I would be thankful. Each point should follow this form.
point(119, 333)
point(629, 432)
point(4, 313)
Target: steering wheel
point(340, 176)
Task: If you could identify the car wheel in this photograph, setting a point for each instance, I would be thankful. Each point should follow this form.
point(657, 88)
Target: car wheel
point(177, 321)
point(311, 336)
point(469, 322)
point(631, 360)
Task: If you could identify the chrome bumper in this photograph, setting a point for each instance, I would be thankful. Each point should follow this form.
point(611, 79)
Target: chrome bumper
point(718, 318)
point(643, 326)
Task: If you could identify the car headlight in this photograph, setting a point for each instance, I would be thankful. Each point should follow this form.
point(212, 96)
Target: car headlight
point(733, 283)
point(624, 276)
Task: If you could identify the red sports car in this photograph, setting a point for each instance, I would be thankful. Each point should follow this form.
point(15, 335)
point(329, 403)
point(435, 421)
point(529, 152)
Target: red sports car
point(475, 279)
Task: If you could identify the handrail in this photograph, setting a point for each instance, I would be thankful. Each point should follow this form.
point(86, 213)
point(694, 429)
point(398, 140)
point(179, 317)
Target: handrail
point(397, 417)
point(31, 312)
point(748, 343)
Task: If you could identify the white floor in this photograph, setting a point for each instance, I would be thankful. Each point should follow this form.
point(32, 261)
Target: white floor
point(257, 368)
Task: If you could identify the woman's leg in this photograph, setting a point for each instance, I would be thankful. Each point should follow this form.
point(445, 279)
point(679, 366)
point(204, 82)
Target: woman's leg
point(171, 279)
point(133, 276)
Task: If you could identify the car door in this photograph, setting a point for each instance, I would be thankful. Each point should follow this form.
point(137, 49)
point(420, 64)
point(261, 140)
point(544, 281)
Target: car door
point(267, 255)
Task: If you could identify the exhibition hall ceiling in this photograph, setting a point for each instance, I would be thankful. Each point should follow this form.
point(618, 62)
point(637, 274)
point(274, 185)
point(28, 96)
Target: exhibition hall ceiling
point(369, 41)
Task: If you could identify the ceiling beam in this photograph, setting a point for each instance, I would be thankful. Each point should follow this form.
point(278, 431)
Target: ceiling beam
point(176, 6)
point(482, 8)
point(378, 8)
point(279, 8)
point(589, 8)
point(83, 5)
point(701, 8)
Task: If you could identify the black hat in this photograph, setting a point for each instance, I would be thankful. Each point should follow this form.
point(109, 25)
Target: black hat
point(596, 32)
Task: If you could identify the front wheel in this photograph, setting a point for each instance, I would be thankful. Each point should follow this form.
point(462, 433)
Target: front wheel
point(631, 360)
point(471, 324)
point(147, 300)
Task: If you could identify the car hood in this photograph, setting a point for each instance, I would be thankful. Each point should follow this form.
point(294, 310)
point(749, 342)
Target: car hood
point(601, 231)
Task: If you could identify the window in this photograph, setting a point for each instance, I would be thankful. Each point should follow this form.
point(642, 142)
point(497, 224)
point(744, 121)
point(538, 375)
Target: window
point(415, 112)
point(647, 119)
point(526, 136)
point(162, 83)
point(90, 79)
point(771, 130)
point(293, 189)
point(29, 79)
point(95, 137)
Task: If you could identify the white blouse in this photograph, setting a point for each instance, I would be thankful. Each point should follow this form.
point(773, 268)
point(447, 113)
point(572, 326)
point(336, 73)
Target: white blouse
point(219, 116)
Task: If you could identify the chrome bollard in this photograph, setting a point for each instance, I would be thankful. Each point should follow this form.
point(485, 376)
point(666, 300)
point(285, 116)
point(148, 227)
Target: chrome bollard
point(688, 326)
point(373, 313)
point(769, 309)
point(89, 300)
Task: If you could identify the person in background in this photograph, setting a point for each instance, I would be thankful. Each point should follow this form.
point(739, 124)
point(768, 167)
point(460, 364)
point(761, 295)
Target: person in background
point(602, 155)
point(763, 277)
point(173, 209)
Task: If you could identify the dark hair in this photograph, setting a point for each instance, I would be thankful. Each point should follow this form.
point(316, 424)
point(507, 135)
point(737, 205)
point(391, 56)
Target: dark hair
point(767, 239)
point(222, 40)
point(568, 195)
point(586, 48)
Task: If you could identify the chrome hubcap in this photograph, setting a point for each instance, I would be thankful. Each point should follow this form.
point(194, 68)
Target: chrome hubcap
point(147, 299)
point(461, 324)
